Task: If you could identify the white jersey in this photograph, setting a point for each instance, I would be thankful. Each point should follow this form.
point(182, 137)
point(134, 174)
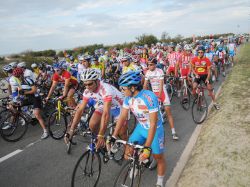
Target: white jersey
point(155, 78)
point(80, 68)
point(105, 92)
point(30, 74)
point(231, 47)
point(15, 83)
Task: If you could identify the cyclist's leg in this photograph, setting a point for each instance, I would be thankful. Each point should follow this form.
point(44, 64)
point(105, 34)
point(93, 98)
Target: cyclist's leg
point(70, 97)
point(37, 105)
point(95, 120)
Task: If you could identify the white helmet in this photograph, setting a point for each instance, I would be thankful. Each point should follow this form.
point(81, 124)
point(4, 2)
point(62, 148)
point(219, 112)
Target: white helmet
point(90, 74)
point(13, 64)
point(187, 47)
point(34, 65)
point(21, 65)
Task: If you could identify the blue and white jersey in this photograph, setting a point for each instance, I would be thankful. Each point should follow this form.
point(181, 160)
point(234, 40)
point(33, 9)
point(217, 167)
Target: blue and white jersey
point(142, 105)
point(210, 56)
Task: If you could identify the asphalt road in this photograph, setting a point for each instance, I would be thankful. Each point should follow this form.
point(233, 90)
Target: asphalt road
point(45, 163)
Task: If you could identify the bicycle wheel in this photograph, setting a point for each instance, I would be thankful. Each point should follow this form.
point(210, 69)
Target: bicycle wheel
point(199, 109)
point(87, 170)
point(170, 91)
point(13, 127)
point(57, 125)
point(185, 98)
point(129, 176)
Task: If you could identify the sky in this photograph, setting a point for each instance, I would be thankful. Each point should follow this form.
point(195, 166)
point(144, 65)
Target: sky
point(64, 24)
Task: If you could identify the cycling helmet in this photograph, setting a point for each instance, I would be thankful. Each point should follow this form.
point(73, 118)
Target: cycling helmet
point(7, 68)
point(94, 58)
point(60, 65)
point(90, 74)
point(178, 47)
point(17, 72)
point(21, 65)
point(201, 48)
point(71, 58)
point(13, 64)
point(87, 57)
point(34, 65)
point(80, 58)
point(125, 58)
point(220, 49)
point(187, 47)
point(152, 60)
point(130, 78)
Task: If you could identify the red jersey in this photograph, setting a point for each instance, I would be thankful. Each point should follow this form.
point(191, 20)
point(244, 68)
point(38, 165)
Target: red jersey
point(65, 75)
point(201, 65)
point(185, 60)
point(172, 58)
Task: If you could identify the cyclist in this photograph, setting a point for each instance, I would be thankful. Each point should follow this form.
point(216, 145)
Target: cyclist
point(108, 101)
point(26, 87)
point(201, 68)
point(231, 51)
point(126, 65)
point(171, 59)
point(27, 72)
point(35, 70)
point(8, 69)
point(98, 65)
point(61, 75)
point(222, 57)
point(149, 131)
point(155, 77)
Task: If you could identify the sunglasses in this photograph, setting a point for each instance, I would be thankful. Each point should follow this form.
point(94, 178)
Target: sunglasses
point(123, 88)
point(151, 64)
point(200, 52)
point(90, 84)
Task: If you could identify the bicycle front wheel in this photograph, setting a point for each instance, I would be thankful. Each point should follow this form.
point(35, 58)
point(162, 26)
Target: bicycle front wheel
point(13, 127)
point(57, 125)
point(199, 109)
point(185, 98)
point(87, 170)
point(129, 176)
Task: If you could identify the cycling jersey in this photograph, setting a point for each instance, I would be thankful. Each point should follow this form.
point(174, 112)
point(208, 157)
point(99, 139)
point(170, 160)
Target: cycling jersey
point(201, 65)
point(65, 75)
point(105, 93)
point(210, 55)
point(126, 69)
point(15, 83)
point(144, 103)
point(29, 73)
point(172, 59)
point(184, 64)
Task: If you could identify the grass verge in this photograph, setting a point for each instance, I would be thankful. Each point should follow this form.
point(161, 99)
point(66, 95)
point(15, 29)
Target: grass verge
point(221, 156)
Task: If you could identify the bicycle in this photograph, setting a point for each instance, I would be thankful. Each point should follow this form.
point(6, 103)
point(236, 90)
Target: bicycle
point(131, 173)
point(171, 86)
point(89, 166)
point(200, 106)
point(58, 119)
point(185, 94)
point(14, 121)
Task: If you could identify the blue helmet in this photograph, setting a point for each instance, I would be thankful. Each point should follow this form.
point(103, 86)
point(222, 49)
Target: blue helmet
point(60, 65)
point(220, 49)
point(201, 48)
point(130, 78)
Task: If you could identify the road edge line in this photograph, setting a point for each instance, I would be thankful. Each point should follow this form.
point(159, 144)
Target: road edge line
point(178, 169)
point(2, 159)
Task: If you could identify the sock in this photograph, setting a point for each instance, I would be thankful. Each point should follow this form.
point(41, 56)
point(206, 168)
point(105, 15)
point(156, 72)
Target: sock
point(45, 130)
point(173, 131)
point(160, 180)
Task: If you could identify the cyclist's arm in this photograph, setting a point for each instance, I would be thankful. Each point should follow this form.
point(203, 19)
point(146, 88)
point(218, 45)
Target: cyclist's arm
point(66, 87)
point(176, 68)
point(52, 88)
point(122, 118)
point(105, 117)
point(32, 91)
point(145, 85)
point(208, 73)
point(153, 118)
point(161, 87)
point(77, 117)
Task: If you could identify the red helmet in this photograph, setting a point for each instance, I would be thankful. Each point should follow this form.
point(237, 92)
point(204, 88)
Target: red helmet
point(17, 72)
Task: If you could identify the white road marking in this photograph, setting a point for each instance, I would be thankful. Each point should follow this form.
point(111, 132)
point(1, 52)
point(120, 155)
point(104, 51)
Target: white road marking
point(10, 155)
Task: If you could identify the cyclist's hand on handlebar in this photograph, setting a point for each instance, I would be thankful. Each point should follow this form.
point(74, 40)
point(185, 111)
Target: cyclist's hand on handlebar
point(100, 141)
point(207, 81)
point(61, 97)
point(145, 153)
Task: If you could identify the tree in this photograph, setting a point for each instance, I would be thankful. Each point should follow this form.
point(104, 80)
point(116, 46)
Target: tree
point(146, 39)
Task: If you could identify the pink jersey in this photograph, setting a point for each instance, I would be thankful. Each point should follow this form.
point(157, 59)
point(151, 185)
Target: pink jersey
point(155, 78)
point(105, 92)
point(172, 59)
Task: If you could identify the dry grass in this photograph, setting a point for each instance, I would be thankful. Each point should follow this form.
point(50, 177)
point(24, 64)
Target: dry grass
point(221, 156)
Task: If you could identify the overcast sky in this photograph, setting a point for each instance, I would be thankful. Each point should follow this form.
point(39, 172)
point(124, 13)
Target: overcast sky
point(61, 24)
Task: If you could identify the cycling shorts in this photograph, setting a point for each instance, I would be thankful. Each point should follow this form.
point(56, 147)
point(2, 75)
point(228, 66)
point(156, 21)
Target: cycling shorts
point(171, 70)
point(185, 72)
point(115, 112)
point(140, 135)
point(202, 78)
point(231, 53)
point(164, 97)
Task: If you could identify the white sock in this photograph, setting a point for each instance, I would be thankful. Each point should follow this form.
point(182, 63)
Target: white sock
point(173, 131)
point(160, 180)
point(45, 130)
